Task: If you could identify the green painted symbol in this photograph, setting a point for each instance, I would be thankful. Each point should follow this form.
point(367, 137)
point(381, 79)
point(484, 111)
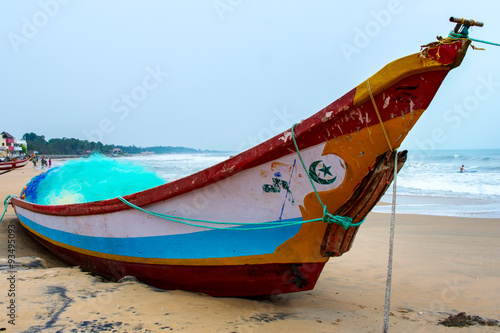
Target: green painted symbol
point(316, 176)
point(276, 187)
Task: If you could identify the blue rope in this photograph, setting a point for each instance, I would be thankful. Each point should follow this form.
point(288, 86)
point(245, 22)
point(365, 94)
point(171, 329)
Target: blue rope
point(344, 221)
point(188, 221)
point(484, 41)
point(6, 203)
point(455, 35)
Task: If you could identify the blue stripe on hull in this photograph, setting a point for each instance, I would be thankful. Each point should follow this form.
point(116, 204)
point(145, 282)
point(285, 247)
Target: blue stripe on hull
point(197, 245)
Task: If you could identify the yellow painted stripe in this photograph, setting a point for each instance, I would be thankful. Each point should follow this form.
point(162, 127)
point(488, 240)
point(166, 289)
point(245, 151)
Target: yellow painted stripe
point(394, 72)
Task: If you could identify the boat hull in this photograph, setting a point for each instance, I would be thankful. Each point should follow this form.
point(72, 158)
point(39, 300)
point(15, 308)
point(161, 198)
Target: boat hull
point(13, 165)
point(346, 151)
point(219, 280)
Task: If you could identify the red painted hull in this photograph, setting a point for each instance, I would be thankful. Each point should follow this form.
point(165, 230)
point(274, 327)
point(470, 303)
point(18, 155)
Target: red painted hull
point(13, 164)
point(222, 281)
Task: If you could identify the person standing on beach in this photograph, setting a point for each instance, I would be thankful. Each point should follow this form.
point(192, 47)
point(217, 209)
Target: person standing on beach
point(50, 162)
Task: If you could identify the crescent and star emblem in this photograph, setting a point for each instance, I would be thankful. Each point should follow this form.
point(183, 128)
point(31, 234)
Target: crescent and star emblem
point(315, 173)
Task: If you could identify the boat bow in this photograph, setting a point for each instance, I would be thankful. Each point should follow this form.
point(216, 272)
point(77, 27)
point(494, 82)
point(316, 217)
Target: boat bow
point(348, 152)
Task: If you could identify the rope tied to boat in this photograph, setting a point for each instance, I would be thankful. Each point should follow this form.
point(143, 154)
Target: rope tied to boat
point(388, 284)
point(462, 35)
point(343, 221)
point(369, 89)
point(250, 226)
point(6, 203)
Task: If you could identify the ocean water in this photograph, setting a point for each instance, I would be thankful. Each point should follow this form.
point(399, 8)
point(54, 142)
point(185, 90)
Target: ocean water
point(430, 183)
point(174, 166)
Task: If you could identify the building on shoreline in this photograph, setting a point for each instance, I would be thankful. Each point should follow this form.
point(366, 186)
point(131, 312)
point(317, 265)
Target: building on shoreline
point(9, 146)
point(117, 152)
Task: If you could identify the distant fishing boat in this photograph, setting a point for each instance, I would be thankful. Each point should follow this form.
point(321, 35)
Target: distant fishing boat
point(13, 164)
point(288, 204)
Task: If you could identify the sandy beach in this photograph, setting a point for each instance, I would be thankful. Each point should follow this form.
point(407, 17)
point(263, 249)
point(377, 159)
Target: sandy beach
point(442, 266)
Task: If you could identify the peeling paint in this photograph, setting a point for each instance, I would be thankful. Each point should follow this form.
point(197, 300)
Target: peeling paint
point(361, 119)
point(275, 165)
point(340, 129)
point(287, 135)
point(228, 169)
point(386, 102)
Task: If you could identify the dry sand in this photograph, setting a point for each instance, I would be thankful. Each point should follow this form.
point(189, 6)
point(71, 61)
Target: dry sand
point(442, 266)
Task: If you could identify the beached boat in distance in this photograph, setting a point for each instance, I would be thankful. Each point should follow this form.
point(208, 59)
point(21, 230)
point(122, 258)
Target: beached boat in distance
point(286, 213)
point(13, 164)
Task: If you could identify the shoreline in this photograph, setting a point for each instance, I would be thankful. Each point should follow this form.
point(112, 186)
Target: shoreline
point(442, 266)
point(445, 206)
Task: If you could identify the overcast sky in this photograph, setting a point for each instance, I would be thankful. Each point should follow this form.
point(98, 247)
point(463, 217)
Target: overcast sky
point(227, 74)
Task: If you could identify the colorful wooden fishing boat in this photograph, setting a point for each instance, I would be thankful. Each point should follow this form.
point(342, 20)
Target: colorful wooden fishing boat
point(13, 164)
point(286, 213)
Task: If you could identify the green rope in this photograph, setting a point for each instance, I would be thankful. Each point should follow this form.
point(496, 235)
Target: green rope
point(484, 41)
point(188, 221)
point(343, 221)
point(455, 35)
point(346, 222)
point(305, 169)
point(6, 203)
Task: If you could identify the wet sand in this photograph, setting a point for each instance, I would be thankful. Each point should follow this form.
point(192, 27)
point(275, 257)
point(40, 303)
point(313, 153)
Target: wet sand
point(442, 266)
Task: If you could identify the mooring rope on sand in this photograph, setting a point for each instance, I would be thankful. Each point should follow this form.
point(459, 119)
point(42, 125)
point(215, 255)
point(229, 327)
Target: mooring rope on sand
point(388, 284)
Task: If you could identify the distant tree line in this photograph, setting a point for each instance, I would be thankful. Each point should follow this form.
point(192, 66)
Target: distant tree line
point(66, 146)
